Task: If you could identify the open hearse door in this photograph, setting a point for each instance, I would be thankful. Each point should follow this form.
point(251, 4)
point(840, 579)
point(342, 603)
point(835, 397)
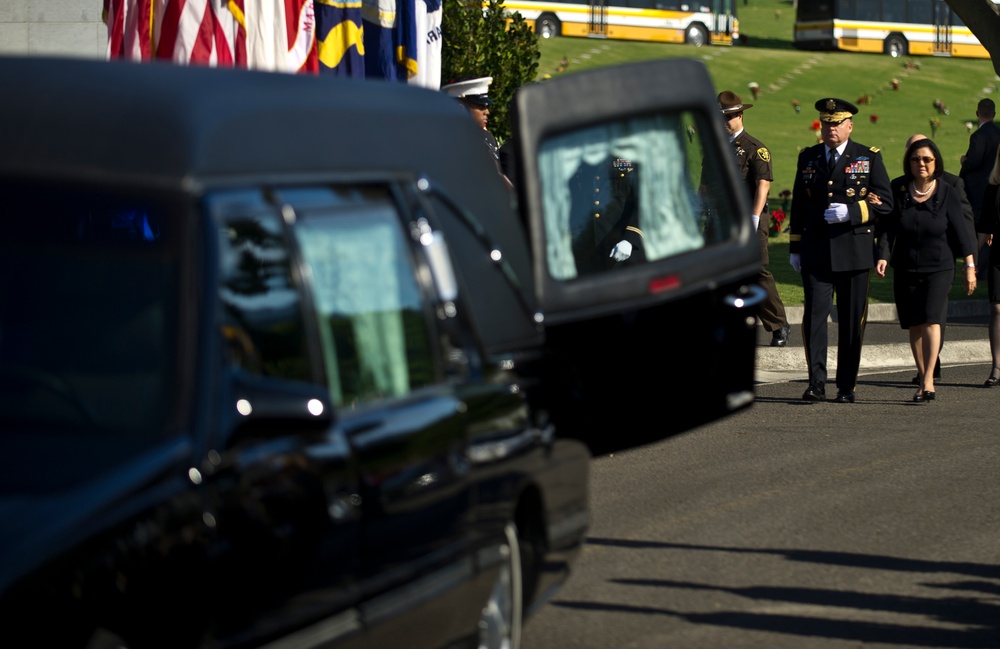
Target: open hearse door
point(644, 258)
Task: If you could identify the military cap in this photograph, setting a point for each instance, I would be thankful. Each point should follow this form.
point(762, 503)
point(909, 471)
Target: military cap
point(730, 102)
point(832, 109)
point(475, 91)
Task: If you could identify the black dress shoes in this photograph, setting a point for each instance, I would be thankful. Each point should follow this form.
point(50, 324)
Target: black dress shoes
point(814, 392)
point(779, 338)
point(991, 381)
point(845, 396)
point(926, 395)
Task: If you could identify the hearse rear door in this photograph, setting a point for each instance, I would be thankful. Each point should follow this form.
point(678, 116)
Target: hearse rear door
point(644, 258)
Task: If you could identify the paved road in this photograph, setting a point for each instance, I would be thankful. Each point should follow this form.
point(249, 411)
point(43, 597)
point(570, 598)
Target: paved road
point(797, 525)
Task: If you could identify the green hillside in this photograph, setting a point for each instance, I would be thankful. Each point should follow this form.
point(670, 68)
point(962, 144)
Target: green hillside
point(785, 76)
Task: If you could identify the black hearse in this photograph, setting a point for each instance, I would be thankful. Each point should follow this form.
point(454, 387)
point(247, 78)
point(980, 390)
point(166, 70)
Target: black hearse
point(284, 364)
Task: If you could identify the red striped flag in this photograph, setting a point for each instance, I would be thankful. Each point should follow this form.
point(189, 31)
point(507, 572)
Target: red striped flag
point(129, 27)
point(196, 32)
point(265, 34)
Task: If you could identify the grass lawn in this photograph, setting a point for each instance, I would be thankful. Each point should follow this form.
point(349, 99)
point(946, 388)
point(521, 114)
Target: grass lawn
point(785, 76)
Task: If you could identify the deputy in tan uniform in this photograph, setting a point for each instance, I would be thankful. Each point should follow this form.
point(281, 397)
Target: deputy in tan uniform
point(753, 160)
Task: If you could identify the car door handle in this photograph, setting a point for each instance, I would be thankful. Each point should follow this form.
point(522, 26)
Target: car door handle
point(752, 298)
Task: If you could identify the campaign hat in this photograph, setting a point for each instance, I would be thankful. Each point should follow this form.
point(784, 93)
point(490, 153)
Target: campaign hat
point(475, 91)
point(730, 102)
point(832, 109)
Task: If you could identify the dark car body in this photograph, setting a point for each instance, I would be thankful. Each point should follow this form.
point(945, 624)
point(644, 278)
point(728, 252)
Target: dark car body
point(283, 362)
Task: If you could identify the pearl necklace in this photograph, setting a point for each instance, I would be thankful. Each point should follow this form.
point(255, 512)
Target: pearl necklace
point(920, 193)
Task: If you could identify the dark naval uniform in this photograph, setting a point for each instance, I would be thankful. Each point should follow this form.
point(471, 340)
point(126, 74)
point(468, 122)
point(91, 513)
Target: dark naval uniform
point(604, 211)
point(836, 258)
point(754, 163)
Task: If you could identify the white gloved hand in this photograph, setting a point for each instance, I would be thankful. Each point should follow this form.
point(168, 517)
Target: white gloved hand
point(795, 261)
point(836, 213)
point(621, 251)
point(756, 220)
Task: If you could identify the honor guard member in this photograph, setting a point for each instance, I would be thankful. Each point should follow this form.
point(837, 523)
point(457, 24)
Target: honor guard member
point(832, 242)
point(474, 94)
point(753, 160)
point(604, 215)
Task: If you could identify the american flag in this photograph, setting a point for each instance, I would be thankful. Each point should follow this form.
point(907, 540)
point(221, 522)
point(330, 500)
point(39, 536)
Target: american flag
point(263, 34)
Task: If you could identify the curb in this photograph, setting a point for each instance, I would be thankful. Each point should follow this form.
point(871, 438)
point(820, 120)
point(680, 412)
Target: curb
point(782, 364)
point(882, 312)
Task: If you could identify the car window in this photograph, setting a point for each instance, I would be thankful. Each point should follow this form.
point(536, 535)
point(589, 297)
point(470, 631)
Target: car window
point(369, 306)
point(263, 322)
point(88, 311)
point(601, 215)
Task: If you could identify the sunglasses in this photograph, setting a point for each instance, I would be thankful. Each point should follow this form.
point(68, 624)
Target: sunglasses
point(918, 159)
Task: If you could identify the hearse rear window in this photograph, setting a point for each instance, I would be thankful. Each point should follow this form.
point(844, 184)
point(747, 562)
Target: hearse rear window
point(621, 194)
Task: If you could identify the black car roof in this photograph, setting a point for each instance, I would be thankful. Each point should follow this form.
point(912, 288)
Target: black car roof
point(184, 128)
point(159, 120)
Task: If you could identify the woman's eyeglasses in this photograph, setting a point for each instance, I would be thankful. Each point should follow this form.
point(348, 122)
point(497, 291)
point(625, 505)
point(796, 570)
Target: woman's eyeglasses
point(918, 159)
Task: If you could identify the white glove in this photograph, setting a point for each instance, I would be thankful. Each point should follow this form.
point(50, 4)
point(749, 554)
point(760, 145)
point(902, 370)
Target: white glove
point(836, 213)
point(795, 261)
point(621, 251)
point(756, 220)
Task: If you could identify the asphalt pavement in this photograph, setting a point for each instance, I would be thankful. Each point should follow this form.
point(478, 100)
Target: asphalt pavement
point(886, 344)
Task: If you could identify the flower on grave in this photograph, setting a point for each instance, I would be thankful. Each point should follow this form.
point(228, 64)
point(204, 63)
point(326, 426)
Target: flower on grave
point(968, 126)
point(777, 218)
point(754, 88)
point(895, 84)
point(874, 118)
point(935, 125)
point(796, 106)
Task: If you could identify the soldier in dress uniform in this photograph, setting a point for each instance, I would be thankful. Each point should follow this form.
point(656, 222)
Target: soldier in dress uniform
point(474, 95)
point(754, 163)
point(832, 242)
point(604, 215)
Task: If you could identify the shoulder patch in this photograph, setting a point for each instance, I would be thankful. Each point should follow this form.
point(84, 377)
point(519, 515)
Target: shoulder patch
point(764, 154)
point(874, 149)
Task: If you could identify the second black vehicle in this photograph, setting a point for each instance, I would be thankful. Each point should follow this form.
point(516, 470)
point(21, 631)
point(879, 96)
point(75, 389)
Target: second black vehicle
point(274, 372)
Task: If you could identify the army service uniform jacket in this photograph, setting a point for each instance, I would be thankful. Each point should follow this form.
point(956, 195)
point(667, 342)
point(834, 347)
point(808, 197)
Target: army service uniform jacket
point(837, 247)
point(604, 211)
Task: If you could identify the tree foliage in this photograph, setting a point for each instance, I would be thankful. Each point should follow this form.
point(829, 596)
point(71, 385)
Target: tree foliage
point(982, 18)
point(480, 40)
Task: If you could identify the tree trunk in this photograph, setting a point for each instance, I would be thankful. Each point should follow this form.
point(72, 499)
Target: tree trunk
point(982, 18)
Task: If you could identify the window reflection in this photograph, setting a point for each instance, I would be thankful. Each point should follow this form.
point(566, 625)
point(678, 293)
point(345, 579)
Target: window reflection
point(620, 194)
point(263, 325)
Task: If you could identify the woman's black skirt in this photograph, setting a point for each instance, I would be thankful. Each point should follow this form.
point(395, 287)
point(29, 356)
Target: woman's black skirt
point(922, 298)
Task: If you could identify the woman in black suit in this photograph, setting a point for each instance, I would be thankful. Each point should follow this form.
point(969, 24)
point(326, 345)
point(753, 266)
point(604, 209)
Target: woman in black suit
point(921, 237)
point(989, 232)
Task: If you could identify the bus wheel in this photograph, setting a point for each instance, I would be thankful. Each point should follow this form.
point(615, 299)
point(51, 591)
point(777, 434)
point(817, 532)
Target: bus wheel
point(895, 45)
point(696, 35)
point(547, 26)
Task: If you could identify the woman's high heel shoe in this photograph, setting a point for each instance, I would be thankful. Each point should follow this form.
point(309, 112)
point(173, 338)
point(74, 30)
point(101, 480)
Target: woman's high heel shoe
point(919, 397)
point(929, 395)
point(993, 381)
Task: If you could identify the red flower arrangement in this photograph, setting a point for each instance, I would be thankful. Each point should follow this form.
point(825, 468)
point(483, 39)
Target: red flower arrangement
point(874, 119)
point(777, 218)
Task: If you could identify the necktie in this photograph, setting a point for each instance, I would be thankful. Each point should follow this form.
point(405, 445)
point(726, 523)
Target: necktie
point(833, 157)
